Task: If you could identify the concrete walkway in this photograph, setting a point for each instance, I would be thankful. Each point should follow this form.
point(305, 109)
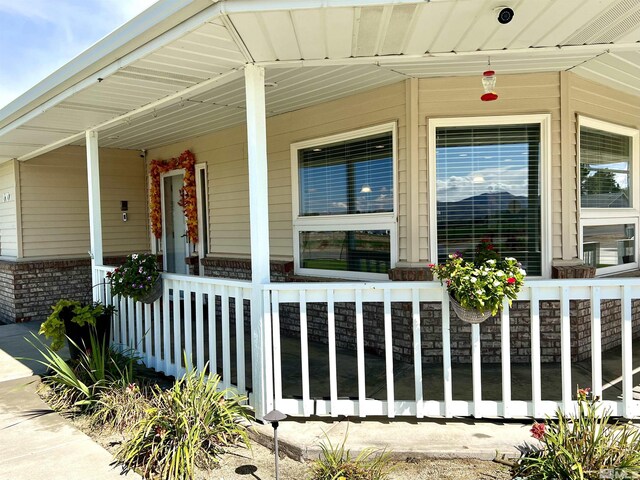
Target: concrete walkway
point(37, 443)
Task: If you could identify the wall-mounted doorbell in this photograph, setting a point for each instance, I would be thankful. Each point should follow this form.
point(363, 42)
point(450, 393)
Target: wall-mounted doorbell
point(124, 207)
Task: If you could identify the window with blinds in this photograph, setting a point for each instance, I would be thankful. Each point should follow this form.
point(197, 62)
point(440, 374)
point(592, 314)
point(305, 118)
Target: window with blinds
point(345, 224)
point(349, 177)
point(605, 159)
point(488, 191)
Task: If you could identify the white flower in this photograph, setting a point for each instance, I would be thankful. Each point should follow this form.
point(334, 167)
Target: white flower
point(510, 259)
point(496, 283)
point(134, 256)
point(499, 273)
point(479, 292)
point(491, 261)
point(522, 271)
point(473, 279)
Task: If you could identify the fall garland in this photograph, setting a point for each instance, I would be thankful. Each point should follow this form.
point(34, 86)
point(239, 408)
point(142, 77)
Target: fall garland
point(188, 200)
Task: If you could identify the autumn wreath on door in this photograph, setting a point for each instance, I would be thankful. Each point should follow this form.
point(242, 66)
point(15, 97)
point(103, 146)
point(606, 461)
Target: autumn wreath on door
point(187, 162)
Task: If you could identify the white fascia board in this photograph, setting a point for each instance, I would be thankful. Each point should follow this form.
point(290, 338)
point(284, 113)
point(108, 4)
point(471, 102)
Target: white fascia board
point(109, 54)
point(248, 6)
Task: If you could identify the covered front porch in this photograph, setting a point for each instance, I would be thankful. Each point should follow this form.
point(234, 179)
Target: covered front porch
point(348, 140)
point(310, 370)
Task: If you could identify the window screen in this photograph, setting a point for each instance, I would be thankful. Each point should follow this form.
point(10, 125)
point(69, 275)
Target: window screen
point(350, 177)
point(605, 160)
point(488, 191)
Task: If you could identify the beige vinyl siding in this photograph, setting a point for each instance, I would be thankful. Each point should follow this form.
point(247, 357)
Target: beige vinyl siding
point(54, 203)
point(460, 97)
point(225, 154)
point(8, 218)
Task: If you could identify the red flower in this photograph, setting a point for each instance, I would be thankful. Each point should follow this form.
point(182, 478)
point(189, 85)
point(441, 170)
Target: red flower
point(537, 430)
point(431, 265)
point(511, 280)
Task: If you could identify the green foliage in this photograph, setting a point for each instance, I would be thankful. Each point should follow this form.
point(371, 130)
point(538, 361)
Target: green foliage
point(187, 425)
point(79, 385)
point(337, 463)
point(482, 286)
point(121, 407)
point(582, 446)
point(71, 310)
point(135, 277)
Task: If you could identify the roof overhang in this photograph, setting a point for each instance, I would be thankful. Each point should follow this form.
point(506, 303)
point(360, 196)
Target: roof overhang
point(175, 71)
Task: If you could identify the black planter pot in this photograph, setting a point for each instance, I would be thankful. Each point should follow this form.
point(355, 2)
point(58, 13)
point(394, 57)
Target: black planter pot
point(79, 337)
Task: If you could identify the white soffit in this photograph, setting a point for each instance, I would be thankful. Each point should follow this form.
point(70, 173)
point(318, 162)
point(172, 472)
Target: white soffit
point(318, 51)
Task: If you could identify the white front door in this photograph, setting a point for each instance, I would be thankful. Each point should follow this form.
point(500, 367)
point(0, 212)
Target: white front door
point(174, 228)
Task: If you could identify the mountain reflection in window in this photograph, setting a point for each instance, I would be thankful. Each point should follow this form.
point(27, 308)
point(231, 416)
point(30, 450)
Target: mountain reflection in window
point(488, 191)
point(350, 177)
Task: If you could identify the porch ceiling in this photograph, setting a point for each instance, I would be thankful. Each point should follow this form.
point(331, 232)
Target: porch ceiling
point(190, 81)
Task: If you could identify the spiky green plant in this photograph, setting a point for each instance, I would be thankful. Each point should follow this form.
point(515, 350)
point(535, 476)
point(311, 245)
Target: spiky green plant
point(187, 425)
point(582, 446)
point(337, 463)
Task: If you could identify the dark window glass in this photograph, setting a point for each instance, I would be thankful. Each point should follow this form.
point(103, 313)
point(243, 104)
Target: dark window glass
point(353, 251)
point(608, 245)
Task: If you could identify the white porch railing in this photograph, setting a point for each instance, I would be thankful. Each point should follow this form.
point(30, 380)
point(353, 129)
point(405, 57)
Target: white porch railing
point(211, 328)
point(212, 315)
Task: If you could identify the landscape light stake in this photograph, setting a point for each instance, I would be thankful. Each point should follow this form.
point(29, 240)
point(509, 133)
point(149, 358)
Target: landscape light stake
point(274, 417)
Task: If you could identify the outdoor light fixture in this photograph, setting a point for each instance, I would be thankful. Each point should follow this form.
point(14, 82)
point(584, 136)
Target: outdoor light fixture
point(365, 188)
point(489, 85)
point(274, 417)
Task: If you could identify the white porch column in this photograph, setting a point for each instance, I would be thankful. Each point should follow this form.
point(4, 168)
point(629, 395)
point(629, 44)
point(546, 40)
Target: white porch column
point(259, 221)
point(95, 212)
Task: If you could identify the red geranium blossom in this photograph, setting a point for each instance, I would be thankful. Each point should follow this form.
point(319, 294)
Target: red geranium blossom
point(511, 280)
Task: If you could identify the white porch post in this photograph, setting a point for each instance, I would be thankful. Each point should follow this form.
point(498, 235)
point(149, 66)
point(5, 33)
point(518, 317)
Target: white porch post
point(95, 212)
point(259, 224)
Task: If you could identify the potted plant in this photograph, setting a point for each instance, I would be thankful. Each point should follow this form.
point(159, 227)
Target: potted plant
point(76, 321)
point(138, 278)
point(477, 290)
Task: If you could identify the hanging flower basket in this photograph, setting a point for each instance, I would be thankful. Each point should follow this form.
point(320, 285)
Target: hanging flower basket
point(468, 315)
point(154, 293)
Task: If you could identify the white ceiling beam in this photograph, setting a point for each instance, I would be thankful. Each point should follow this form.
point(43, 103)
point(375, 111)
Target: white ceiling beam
point(184, 94)
point(427, 57)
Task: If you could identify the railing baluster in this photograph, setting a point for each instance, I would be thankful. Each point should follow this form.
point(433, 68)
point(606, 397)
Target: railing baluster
point(331, 333)
point(239, 339)
point(177, 329)
point(139, 328)
point(226, 339)
point(166, 327)
point(505, 345)
point(131, 324)
point(199, 327)
point(536, 372)
point(627, 359)
point(417, 351)
point(267, 354)
point(147, 334)
point(565, 348)
point(307, 406)
point(476, 367)
point(388, 350)
point(188, 326)
point(277, 355)
point(362, 391)
point(446, 355)
point(213, 335)
point(596, 343)
point(157, 335)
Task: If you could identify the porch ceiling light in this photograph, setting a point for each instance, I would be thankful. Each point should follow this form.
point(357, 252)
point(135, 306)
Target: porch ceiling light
point(365, 188)
point(489, 85)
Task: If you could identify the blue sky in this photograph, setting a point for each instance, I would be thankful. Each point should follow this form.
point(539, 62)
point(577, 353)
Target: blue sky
point(39, 36)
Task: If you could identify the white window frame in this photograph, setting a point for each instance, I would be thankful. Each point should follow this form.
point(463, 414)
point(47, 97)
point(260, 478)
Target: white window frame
point(347, 222)
point(611, 216)
point(545, 181)
point(203, 236)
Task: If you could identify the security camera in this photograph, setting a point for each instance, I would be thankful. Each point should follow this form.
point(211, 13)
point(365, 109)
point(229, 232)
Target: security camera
point(505, 15)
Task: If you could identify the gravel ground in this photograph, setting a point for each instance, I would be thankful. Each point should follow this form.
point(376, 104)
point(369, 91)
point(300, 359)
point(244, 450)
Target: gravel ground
point(258, 464)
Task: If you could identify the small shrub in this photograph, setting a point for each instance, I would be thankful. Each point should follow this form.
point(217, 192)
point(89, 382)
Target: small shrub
point(121, 407)
point(187, 425)
point(78, 385)
point(584, 446)
point(336, 463)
